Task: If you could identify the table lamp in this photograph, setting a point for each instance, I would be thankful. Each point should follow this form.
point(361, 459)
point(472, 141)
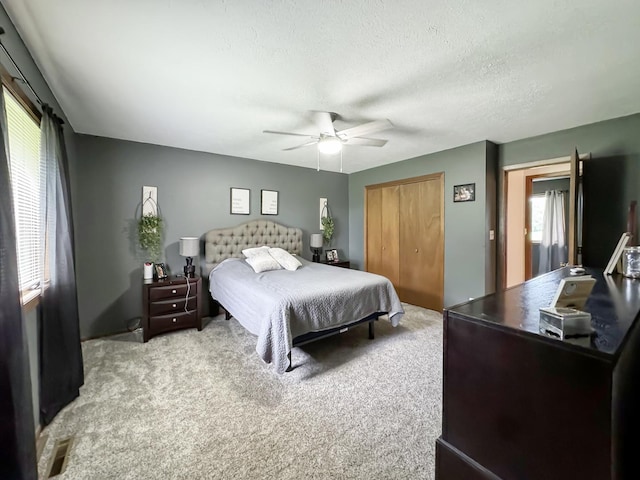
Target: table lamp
point(189, 247)
point(316, 246)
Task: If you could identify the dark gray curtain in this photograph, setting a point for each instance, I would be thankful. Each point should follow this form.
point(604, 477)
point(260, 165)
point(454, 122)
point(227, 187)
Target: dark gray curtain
point(61, 370)
point(17, 429)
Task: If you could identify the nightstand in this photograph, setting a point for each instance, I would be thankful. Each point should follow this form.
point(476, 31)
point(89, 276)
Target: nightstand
point(163, 302)
point(340, 263)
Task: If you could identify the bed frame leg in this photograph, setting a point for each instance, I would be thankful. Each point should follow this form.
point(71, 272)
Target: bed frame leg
point(227, 315)
point(371, 333)
point(290, 367)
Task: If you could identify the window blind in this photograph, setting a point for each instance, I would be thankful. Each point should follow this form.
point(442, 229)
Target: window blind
point(26, 181)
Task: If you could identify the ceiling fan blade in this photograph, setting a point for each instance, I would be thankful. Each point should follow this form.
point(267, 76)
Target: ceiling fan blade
point(366, 142)
point(288, 133)
point(365, 129)
point(324, 121)
point(312, 142)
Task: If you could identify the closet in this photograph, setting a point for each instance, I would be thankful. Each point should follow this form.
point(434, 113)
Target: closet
point(404, 237)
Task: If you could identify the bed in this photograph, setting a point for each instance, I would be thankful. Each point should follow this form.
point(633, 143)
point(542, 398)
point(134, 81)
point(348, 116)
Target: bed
point(284, 308)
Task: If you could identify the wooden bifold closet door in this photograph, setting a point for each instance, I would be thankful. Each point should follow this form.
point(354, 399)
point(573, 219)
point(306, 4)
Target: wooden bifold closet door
point(405, 237)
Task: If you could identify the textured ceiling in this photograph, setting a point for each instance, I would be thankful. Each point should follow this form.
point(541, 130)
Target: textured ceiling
point(212, 75)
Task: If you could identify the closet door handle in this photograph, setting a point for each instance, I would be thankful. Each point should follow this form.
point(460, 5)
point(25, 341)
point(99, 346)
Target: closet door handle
point(416, 250)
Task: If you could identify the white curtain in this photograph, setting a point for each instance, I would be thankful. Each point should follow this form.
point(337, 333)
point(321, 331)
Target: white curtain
point(553, 247)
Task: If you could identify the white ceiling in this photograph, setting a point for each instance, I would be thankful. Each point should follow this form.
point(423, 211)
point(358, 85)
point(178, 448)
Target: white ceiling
point(212, 75)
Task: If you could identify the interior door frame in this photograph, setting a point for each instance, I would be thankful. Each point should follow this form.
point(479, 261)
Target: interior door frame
point(439, 176)
point(502, 218)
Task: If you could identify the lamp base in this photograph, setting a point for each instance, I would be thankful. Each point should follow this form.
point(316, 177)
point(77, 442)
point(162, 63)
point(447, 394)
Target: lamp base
point(316, 255)
point(189, 271)
point(189, 268)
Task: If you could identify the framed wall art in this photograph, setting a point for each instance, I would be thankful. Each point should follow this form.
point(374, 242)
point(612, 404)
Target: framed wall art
point(240, 201)
point(269, 202)
point(464, 193)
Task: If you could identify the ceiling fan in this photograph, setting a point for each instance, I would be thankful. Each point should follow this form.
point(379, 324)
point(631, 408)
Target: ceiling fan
point(330, 140)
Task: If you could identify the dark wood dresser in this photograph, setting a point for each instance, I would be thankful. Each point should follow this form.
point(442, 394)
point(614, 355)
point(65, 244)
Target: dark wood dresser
point(521, 405)
point(164, 304)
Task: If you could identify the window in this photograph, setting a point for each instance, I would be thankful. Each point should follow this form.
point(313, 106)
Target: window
point(26, 181)
point(538, 203)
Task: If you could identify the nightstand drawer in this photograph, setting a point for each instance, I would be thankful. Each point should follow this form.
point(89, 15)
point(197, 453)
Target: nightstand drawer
point(169, 291)
point(172, 305)
point(163, 323)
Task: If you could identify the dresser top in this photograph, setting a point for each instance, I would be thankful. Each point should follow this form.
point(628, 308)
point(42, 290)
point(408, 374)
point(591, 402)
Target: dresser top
point(614, 304)
point(170, 280)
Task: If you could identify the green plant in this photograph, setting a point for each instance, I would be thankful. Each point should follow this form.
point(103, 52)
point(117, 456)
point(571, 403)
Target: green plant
point(150, 236)
point(328, 227)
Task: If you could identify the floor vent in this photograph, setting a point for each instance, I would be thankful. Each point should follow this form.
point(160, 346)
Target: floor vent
point(59, 457)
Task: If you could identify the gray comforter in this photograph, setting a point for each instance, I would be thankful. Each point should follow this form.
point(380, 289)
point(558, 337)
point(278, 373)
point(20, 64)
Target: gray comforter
point(280, 305)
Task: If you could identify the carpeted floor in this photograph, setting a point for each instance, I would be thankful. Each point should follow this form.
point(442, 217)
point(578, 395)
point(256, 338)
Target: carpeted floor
point(202, 405)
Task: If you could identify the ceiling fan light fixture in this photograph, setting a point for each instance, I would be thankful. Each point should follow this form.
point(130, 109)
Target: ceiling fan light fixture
point(329, 145)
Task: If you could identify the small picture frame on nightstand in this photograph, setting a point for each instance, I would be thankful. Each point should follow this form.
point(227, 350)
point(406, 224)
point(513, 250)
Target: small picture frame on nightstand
point(161, 271)
point(329, 255)
point(334, 255)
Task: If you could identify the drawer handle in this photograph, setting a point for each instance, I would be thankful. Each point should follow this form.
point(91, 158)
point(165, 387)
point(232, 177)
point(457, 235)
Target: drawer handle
point(174, 320)
point(173, 291)
point(174, 305)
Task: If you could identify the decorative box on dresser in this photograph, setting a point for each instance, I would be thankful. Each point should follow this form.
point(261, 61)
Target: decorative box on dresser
point(521, 405)
point(164, 305)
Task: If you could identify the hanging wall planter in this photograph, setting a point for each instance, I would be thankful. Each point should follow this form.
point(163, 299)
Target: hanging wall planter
point(327, 225)
point(150, 236)
point(150, 227)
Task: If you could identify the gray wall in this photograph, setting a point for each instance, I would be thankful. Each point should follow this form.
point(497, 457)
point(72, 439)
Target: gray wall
point(611, 176)
point(465, 224)
point(22, 57)
point(193, 195)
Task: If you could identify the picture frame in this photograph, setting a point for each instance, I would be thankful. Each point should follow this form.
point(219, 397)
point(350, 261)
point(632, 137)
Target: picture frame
point(269, 202)
point(614, 261)
point(464, 193)
point(240, 201)
point(160, 271)
point(329, 255)
point(573, 292)
point(334, 255)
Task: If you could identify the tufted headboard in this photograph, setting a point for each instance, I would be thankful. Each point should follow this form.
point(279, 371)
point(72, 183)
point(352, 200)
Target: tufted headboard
point(223, 243)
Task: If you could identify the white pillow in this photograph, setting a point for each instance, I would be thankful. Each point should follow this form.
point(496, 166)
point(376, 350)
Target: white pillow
point(250, 252)
point(285, 259)
point(263, 262)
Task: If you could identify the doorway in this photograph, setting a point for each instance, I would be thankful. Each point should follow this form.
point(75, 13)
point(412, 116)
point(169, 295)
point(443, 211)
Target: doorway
point(524, 192)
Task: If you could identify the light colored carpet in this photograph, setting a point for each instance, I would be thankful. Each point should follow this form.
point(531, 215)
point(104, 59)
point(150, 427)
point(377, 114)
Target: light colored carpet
point(202, 405)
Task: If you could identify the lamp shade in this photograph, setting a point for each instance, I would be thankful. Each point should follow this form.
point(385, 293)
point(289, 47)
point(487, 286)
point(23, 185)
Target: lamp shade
point(316, 240)
point(189, 246)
